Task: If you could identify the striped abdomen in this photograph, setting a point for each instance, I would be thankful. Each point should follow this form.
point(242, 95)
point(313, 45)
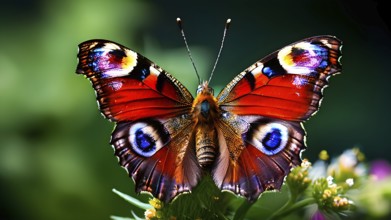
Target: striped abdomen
point(206, 145)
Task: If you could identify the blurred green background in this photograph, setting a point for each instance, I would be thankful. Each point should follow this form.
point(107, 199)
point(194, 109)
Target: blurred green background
point(55, 157)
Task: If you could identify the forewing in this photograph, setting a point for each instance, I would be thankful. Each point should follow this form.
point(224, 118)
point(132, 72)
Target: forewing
point(129, 86)
point(287, 84)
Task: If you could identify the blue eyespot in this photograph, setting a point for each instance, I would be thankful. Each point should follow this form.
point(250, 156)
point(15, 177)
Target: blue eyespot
point(144, 141)
point(272, 139)
point(146, 138)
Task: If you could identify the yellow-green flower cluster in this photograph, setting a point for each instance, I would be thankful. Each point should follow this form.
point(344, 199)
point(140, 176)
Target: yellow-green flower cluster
point(298, 179)
point(154, 212)
point(330, 196)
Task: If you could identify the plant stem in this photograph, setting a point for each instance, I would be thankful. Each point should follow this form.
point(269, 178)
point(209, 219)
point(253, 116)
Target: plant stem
point(291, 206)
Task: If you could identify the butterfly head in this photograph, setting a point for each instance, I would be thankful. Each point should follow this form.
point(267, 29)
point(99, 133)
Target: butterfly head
point(204, 108)
point(205, 89)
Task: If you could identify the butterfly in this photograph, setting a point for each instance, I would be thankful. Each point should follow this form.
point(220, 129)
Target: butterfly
point(247, 138)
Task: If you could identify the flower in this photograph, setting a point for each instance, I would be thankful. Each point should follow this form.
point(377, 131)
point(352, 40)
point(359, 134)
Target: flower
point(350, 182)
point(298, 179)
point(318, 215)
point(150, 213)
point(329, 196)
point(348, 168)
point(380, 169)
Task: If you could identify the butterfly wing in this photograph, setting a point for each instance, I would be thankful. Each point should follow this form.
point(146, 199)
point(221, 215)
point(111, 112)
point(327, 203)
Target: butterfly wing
point(152, 138)
point(286, 84)
point(259, 157)
point(260, 131)
point(128, 85)
point(159, 155)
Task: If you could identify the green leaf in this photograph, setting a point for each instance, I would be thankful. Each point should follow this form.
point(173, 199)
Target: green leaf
point(132, 200)
point(120, 218)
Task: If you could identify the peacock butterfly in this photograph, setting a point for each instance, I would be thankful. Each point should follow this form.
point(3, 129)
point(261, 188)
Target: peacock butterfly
point(247, 138)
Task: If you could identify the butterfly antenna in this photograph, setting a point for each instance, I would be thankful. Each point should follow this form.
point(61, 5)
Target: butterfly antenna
point(179, 22)
point(221, 47)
